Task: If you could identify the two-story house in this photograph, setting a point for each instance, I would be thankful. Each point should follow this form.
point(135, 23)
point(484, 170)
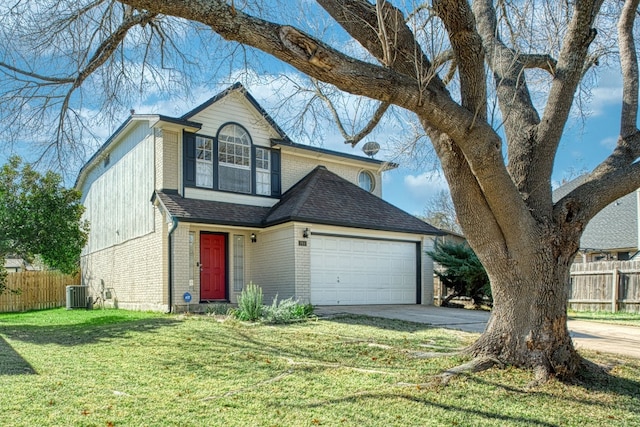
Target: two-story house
point(191, 209)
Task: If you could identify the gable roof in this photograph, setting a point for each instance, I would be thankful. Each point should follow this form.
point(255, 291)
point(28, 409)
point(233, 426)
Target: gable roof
point(284, 140)
point(614, 227)
point(239, 88)
point(321, 197)
point(131, 121)
point(319, 150)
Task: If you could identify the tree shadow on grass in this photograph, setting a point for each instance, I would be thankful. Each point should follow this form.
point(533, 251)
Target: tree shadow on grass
point(595, 378)
point(378, 322)
point(91, 330)
point(499, 419)
point(604, 383)
point(11, 363)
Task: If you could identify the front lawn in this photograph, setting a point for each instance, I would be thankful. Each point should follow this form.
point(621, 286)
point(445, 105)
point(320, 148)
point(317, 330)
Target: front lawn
point(619, 318)
point(120, 368)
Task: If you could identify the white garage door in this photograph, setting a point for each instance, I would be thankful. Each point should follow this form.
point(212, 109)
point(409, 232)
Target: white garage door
point(362, 271)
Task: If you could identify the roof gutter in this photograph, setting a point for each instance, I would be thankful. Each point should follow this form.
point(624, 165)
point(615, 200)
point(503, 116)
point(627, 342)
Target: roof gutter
point(174, 225)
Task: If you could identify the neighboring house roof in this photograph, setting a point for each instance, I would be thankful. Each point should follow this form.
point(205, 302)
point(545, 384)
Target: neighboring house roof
point(614, 227)
point(14, 263)
point(321, 197)
point(19, 264)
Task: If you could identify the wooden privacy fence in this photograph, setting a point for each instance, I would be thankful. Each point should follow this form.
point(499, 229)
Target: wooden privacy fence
point(36, 290)
point(607, 285)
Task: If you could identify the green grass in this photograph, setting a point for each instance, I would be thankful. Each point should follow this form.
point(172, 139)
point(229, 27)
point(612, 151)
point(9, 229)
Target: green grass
point(119, 368)
point(619, 318)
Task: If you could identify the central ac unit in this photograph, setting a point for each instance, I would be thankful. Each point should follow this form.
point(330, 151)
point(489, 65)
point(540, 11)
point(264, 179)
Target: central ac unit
point(77, 297)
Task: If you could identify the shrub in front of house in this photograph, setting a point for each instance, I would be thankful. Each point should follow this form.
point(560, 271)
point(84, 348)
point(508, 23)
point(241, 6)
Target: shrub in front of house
point(250, 307)
point(250, 303)
point(286, 310)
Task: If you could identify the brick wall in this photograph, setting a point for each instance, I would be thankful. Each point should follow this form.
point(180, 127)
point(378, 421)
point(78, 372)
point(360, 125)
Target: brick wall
point(169, 161)
point(427, 272)
point(302, 263)
point(131, 271)
point(273, 263)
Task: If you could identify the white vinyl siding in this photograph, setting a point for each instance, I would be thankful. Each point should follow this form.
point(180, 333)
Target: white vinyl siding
point(116, 198)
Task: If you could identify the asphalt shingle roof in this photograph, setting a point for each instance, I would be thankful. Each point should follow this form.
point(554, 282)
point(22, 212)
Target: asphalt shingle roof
point(209, 212)
point(321, 197)
point(614, 227)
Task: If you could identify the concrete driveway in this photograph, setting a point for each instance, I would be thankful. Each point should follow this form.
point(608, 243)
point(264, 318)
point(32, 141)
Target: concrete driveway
point(595, 336)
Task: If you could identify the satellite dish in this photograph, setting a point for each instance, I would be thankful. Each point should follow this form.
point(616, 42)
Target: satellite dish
point(371, 148)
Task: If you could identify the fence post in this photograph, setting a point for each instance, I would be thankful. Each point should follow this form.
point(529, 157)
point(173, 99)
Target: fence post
point(615, 290)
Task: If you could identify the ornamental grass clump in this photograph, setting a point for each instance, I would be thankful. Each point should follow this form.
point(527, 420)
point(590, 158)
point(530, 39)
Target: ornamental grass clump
point(250, 303)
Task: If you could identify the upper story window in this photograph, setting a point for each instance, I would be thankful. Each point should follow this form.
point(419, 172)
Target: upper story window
point(234, 159)
point(263, 171)
point(366, 181)
point(230, 162)
point(204, 162)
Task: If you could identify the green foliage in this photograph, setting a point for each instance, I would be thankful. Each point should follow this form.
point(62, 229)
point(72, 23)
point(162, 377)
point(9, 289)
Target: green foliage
point(462, 272)
point(3, 276)
point(286, 310)
point(250, 303)
point(38, 216)
point(250, 307)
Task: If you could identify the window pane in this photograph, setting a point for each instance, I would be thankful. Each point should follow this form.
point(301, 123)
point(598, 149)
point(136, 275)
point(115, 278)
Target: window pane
point(365, 180)
point(204, 163)
point(204, 174)
point(263, 182)
point(238, 262)
point(234, 179)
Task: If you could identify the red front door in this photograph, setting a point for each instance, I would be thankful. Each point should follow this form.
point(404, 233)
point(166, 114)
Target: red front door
point(213, 267)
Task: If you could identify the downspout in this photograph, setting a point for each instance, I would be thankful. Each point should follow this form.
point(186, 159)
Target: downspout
point(174, 225)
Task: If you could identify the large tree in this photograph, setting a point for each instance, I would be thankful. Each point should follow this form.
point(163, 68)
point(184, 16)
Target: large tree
point(447, 62)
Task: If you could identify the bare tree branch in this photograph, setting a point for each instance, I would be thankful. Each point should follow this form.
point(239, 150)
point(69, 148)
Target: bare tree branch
point(50, 79)
point(352, 139)
point(541, 61)
point(629, 66)
point(574, 51)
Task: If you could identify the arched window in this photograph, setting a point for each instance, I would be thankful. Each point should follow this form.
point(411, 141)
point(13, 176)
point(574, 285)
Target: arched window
point(234, 159)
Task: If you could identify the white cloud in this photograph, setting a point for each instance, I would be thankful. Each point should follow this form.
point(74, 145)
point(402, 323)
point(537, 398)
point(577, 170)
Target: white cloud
point(424, 186)
point(609, 142)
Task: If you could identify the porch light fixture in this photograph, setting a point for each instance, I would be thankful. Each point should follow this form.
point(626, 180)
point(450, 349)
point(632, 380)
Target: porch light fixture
point(253, 238)
point(305, 233)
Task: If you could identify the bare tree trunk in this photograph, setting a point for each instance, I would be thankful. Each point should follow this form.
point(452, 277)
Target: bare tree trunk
point(528, 324)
